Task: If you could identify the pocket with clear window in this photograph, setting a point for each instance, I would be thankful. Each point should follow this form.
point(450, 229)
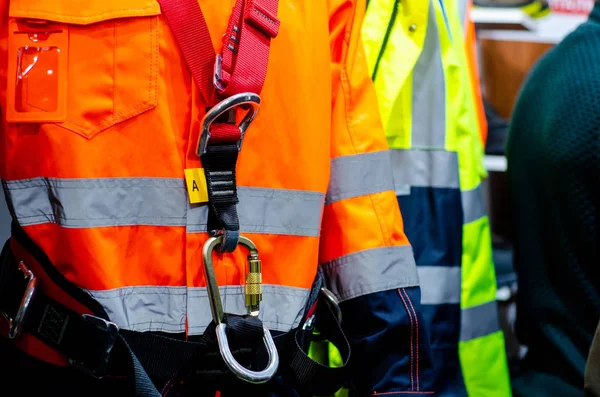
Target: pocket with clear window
point(37, 71)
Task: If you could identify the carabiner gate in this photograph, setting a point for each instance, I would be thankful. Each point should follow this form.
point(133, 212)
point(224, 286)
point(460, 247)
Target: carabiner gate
point(253, 297)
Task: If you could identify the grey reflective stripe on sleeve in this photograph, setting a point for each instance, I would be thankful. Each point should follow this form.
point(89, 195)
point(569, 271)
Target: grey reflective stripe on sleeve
point(425, 168)
point(429, 92)
point(164, 309)
point(479, 321)
point(271, 211)
point(473, 206)
point(369, 271)
point(100, 202)
point(358, 175)
point(440, 284)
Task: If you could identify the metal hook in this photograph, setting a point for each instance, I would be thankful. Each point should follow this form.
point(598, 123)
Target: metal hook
point(218, 313)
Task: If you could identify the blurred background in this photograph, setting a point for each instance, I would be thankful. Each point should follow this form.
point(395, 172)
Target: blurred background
point(511, 36)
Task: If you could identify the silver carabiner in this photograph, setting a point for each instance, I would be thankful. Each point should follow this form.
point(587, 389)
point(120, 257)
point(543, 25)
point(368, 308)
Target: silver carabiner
point(245, 98)
point(218, 313)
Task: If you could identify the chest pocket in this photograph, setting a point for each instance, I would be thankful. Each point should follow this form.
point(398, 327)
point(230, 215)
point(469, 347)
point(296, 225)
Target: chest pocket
point(112, 63)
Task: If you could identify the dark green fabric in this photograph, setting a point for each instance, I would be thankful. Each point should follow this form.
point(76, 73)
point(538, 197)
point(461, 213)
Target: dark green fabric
point(554, 175)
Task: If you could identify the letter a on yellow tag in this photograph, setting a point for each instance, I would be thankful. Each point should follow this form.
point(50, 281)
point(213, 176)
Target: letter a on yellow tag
point(196, 185)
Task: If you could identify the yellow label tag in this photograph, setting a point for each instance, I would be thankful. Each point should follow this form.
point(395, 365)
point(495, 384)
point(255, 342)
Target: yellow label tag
point(196, 185)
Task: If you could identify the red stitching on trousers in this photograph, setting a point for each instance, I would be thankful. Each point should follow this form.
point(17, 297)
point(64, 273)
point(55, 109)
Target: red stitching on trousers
point(417, 321)
point(412, 380)
point(402, 392)
point(166, 391)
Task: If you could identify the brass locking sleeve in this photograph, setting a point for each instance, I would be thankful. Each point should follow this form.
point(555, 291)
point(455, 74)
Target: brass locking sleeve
point(253, 286)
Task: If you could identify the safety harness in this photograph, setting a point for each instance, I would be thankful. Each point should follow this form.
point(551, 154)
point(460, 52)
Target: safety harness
point(227, 82)
point(51, 318)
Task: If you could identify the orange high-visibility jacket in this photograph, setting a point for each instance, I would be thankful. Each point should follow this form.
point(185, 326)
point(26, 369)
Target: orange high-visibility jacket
point(103, 192)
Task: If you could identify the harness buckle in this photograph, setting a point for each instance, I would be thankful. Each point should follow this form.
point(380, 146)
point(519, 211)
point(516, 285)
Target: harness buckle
point(253, 297)
point(16, 324)
point(228, 104)
point(110, 331)
point(334, 305)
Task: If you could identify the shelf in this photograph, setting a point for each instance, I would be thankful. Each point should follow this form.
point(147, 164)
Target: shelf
point(495, 163)
point(515, 25)
point(502, 18)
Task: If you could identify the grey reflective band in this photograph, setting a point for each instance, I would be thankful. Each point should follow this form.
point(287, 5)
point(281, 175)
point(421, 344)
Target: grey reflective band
point(101, 202)
point(144, 308)
point(281, 309)
point(270, 211)
point(370, 271)
point(462, 14)
point(359, 175)
point(98, 202)
point(164, 309)
point(428, 91)
point(440, 285)
point(473, 206)
point(479, 321)
point(424, 168)
point(437, 169)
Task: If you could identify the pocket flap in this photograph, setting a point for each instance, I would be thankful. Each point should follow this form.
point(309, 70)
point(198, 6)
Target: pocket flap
point(82, 12)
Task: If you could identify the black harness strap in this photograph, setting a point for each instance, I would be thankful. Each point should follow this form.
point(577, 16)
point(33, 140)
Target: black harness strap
point(87, 341)
point(94, 345)
point(219, 164)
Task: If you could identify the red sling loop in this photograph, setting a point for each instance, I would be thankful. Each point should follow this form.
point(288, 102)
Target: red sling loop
point(242, 64)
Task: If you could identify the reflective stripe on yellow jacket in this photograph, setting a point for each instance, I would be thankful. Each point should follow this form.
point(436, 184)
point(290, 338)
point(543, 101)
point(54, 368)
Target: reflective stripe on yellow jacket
point(417, 57)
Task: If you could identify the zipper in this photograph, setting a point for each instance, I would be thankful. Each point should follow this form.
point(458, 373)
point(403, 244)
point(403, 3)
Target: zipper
point(386, 38)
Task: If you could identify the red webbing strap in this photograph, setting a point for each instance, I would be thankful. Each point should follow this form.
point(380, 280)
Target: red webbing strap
point(191, 33)
point(246, 45)
point(222, 133)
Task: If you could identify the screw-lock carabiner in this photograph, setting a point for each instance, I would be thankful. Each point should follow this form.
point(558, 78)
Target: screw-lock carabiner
point(218, 313)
